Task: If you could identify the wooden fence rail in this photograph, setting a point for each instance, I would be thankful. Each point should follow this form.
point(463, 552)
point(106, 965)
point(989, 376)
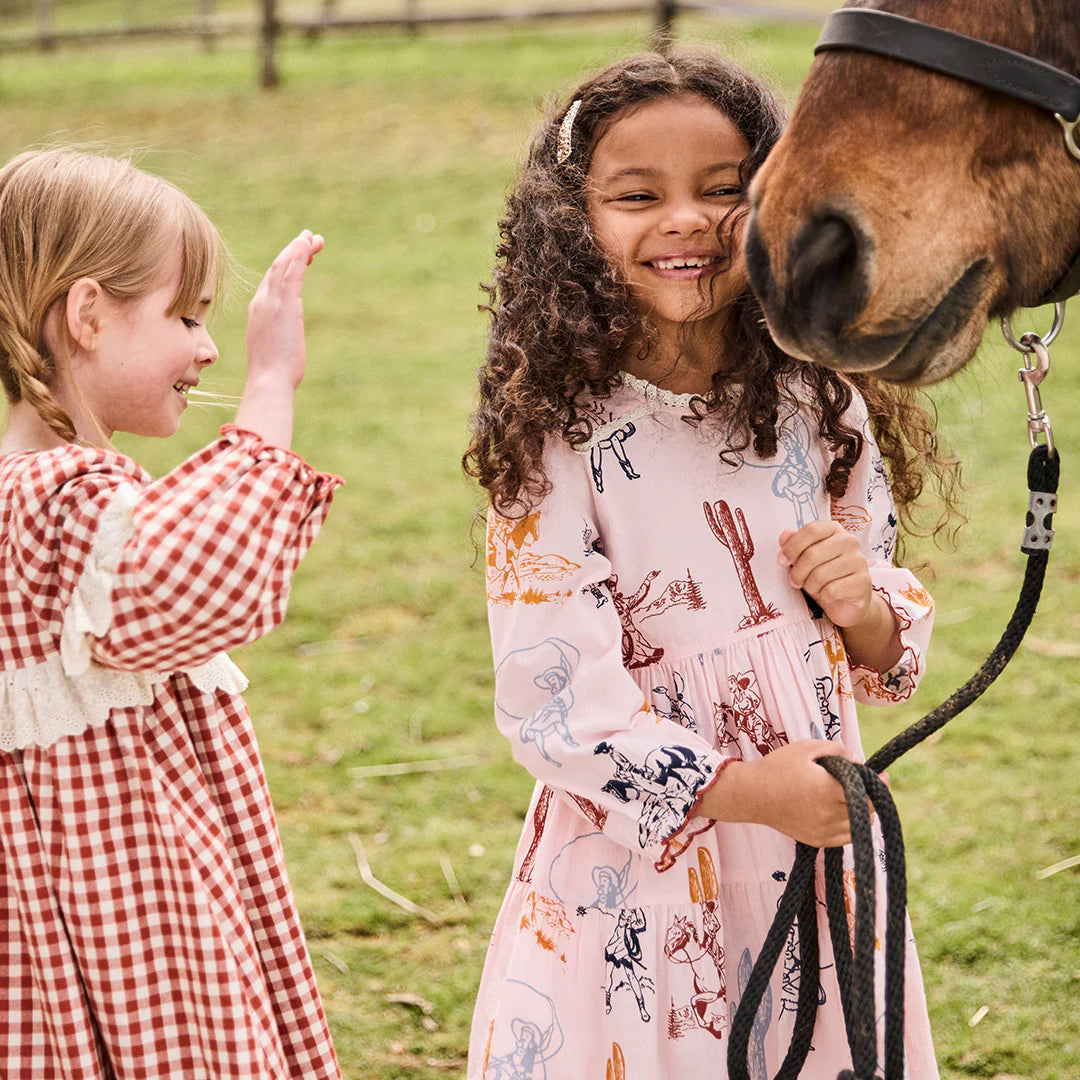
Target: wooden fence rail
point(267, 24)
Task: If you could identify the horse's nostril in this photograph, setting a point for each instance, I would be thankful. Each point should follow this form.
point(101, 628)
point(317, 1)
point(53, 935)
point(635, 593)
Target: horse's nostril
point(827, 276)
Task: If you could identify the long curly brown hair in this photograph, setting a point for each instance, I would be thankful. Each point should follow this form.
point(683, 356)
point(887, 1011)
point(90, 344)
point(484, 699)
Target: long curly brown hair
point(561, 317)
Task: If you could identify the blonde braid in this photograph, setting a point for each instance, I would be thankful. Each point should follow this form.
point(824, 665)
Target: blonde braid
point(25, 373)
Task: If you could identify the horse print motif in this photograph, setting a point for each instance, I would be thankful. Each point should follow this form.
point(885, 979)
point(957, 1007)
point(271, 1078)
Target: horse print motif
point(742, 721)
point(515, 572)
point(666, 784)
point(702, 950)
point(534, 685)
point(521, 1048)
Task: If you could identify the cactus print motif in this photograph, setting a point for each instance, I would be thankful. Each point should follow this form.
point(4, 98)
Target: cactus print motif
point(732, 532)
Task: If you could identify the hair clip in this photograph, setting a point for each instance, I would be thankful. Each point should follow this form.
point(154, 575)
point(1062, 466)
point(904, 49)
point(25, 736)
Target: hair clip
point(566, 128)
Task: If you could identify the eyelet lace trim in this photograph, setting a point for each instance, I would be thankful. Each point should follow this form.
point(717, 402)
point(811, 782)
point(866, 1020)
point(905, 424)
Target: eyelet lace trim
point(653, 393)
point(68, 692)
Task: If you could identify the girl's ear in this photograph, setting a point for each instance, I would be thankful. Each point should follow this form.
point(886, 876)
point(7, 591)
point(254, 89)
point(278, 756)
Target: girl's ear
point(83, 312)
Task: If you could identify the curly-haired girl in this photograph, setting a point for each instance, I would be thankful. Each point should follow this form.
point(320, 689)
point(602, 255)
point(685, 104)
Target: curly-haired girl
point(690, 583)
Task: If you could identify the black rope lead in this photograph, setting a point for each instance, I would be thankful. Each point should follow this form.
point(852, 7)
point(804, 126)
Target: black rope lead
point(854, 952)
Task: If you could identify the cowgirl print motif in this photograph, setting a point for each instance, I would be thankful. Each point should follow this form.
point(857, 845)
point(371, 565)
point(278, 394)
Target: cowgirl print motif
point(796, 478)
point(678, 708)
point(622, 955)
point(637, 651)
point(610, 434)
point(612, 872)
point(666, 784)
point(648, 935)
point(521, 1049)
point(515, 572)
point(536, 688)
point(703, 952)
point(742, 721)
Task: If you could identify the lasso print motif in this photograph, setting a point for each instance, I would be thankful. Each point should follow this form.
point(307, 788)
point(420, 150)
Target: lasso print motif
point(539, 694)
point(521, 1047)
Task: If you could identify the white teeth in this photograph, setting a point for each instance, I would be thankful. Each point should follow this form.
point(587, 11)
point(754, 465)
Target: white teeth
point(181, 388)
point(685, 263)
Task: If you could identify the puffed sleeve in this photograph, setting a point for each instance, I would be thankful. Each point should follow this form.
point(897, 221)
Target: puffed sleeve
point(572, 713)
point(157, 576)
point(867, 510)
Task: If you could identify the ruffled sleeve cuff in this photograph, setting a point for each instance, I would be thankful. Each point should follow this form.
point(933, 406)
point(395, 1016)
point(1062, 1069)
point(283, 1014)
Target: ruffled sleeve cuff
point(322, 483)
point(913, 609)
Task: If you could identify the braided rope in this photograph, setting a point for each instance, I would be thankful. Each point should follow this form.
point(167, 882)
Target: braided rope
point(864, 788)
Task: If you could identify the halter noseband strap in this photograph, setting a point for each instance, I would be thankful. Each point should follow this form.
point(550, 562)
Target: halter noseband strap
point(990, 66)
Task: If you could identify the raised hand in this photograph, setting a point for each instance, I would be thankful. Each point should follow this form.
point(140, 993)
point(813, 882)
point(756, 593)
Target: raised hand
point(277, 354)
point(275, 329)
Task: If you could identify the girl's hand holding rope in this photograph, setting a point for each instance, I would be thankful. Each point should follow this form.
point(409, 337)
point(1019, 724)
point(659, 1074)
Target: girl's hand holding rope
point(786, 790)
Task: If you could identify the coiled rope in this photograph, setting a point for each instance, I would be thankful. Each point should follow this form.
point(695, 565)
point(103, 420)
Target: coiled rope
point(863, 788)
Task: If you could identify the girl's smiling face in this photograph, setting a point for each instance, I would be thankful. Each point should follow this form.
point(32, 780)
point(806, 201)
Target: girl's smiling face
point(663, 177)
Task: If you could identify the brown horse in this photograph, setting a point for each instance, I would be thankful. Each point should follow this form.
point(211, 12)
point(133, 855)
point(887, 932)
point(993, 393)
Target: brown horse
point(903, 208)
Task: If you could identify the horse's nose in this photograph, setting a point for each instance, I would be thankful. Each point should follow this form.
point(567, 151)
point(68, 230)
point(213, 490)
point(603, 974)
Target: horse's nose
point(827, 276)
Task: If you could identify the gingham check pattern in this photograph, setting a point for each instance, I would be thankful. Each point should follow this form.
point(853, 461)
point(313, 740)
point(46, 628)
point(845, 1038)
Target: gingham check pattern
point(149, 930)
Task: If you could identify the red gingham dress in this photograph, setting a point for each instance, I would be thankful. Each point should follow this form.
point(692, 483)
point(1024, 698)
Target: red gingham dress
point(149, 930)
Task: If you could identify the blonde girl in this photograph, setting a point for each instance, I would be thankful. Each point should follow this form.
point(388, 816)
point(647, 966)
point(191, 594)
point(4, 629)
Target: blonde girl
point(148, 926)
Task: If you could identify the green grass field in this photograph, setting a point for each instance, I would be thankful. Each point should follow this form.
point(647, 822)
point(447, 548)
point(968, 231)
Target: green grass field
point(400, 149)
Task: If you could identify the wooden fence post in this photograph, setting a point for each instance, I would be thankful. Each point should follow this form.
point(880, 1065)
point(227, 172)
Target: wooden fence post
point(206, 15)
point(267, 45)
point(43, 18)
point(664, 24)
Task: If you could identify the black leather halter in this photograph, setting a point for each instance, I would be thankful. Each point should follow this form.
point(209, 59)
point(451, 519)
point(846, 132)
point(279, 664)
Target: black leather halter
point(990, 66)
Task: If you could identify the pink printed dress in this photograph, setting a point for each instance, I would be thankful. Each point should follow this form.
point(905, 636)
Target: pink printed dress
point(643, 634)
point(149, 928)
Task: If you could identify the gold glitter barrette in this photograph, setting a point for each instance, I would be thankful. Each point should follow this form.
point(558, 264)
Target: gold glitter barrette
point(566, 130)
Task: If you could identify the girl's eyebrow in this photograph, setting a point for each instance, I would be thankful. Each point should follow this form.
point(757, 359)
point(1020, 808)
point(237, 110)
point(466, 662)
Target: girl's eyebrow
point(640, 170)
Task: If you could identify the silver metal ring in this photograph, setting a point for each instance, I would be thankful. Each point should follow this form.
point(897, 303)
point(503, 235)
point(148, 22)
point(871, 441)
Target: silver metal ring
point(1020, 346)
